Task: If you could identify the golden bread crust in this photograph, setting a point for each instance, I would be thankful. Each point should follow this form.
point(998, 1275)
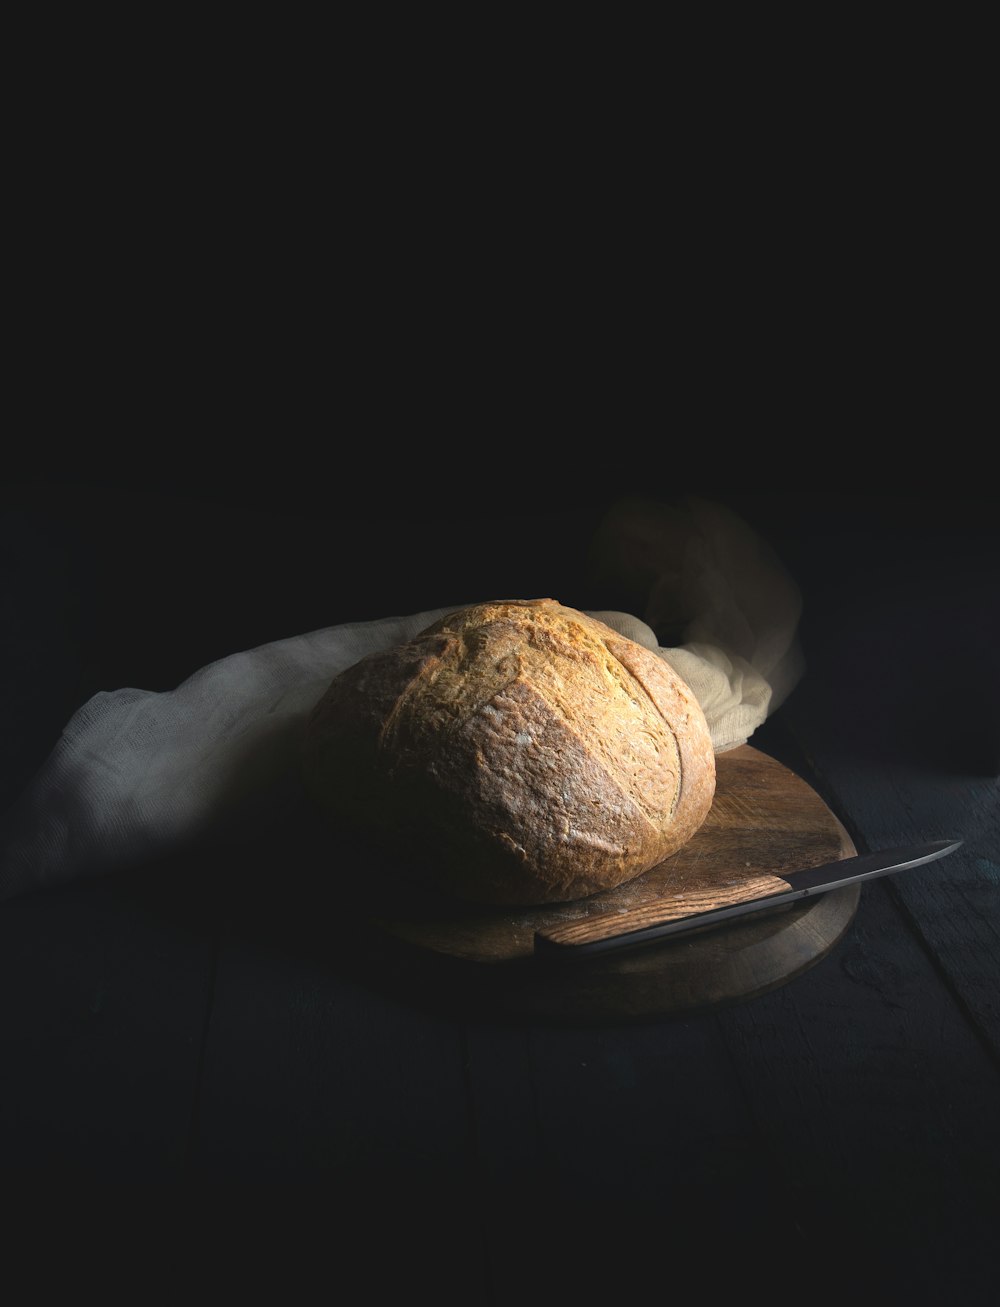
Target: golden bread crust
point(518, 751)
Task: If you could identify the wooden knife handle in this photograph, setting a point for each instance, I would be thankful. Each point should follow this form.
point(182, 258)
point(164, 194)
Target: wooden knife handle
point(609, 925)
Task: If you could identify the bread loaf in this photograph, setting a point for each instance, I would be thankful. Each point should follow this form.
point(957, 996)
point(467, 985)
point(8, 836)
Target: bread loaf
point(516, 752)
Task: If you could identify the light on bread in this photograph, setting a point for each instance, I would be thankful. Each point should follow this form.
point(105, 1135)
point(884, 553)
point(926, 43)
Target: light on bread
point(515, 752)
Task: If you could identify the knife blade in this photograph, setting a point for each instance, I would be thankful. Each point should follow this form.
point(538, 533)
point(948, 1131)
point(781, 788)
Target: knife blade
point(655, 921)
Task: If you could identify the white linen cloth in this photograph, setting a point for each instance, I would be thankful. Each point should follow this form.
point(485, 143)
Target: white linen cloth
point(138, 775)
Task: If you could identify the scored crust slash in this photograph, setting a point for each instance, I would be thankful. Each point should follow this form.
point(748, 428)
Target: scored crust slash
point(514, 752)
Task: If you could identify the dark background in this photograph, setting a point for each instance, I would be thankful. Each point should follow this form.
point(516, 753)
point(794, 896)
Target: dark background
point(238, 409)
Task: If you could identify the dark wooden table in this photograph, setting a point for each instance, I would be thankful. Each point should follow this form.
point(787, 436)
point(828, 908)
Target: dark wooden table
point(190, 1027)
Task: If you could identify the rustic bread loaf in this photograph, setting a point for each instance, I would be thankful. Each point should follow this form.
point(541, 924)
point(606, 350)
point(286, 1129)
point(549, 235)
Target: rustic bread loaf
point(521, 751)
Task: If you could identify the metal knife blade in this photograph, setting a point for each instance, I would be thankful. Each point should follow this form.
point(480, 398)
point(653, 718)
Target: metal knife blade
point(603, 933)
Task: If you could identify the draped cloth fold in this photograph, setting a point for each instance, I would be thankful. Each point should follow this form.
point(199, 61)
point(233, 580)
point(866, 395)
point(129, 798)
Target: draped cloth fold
point(138, 774)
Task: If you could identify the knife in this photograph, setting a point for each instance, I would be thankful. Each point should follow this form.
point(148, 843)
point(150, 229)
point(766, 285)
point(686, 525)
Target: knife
point(654, 921)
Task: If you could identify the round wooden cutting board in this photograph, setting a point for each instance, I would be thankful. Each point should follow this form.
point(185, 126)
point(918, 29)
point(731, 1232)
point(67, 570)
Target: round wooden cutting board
point(764, 820)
